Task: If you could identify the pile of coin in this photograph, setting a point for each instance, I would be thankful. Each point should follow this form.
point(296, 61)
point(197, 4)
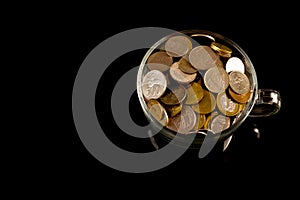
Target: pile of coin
point(188, 87)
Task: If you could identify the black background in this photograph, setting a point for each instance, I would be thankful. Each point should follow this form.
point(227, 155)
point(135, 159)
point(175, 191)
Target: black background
point(266, 33)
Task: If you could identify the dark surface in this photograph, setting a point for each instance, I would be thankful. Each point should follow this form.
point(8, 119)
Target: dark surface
point(266, 160)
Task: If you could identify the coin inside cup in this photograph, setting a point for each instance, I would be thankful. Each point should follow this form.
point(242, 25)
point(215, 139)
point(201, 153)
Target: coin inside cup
point(200, 80)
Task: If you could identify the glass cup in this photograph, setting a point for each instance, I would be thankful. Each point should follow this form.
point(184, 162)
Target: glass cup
point(261, 103)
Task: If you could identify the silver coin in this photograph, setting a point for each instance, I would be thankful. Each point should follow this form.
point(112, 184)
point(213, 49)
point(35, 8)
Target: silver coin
point(239, 82)
point(177, 46)
point(203, 57)
point(183, 122)
point(154, 84)
point(234, 64)
point(226, 105)
point(219, 123)
point(216, 79)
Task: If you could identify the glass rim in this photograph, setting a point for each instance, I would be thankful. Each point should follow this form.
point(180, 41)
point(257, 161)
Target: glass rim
point(193, 33)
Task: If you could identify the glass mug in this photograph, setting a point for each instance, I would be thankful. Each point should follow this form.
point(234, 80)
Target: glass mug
point(259, 103)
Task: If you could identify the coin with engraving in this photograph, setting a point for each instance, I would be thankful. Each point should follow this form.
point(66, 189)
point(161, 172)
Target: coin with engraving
point(160, 61)
point(174, 95)
point(221, 49)
point(158, 112)
point(240, 98)
point(206, 105)
point(226, 105)
point(203, 57)
point(239, 82)
point(185, 66)
point(177, 46)
point(154, 84)
point(180, 76)
point(219, 123)
point(200, 121)
point(194, 93)
point(184, 121)
point(216, 79)
point(234, 64)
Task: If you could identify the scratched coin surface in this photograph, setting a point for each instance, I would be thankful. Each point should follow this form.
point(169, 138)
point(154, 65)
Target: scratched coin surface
point(177, 46)
point(154, 84)
point(216, 79)
point(239, 82)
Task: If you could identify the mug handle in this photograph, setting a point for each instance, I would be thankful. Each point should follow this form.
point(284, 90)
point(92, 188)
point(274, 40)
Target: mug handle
point(268, 103)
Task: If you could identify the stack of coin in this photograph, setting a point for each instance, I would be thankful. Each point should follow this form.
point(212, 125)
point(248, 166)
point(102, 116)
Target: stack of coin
point(188, 87)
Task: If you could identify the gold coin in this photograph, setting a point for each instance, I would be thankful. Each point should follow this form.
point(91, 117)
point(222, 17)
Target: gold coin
point(219, 123)
point(221, 49)
point(216, 79)
point(151, 102)
point(239, 82)
point(200, 121)
point(186, 67)
point(155, 107)
point(173, 110)
point(180, 76)
point(241, 107)
point(177, 46)
point(158, 112)
point(206, 105)
point(203, 57)
point(194, 93)
point(174, 95)
point(154, 84)
point(184, 121)
point(226, 105)
point(160, 61)
point(240, 98)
